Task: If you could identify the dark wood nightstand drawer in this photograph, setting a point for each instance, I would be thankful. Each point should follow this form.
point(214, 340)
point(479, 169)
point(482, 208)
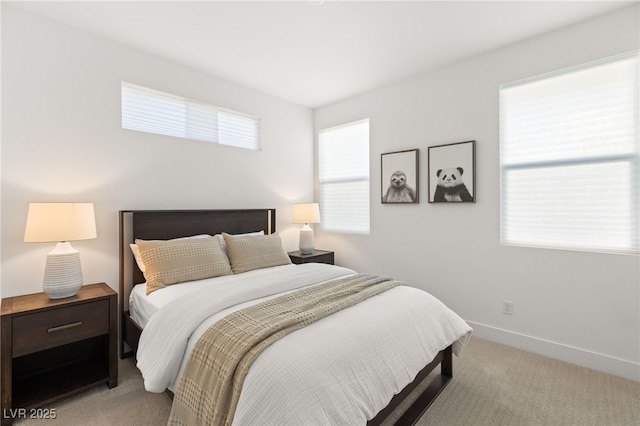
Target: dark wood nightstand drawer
point(54, 327)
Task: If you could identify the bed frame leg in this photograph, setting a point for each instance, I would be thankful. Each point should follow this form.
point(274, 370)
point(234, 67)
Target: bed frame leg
point(422, 402)
point(446, 367)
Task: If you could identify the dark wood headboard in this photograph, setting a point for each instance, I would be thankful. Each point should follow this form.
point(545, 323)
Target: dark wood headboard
point(168, 224)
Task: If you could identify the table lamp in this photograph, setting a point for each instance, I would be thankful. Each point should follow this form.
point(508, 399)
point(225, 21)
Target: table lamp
point(306, 213)
point(61, 222)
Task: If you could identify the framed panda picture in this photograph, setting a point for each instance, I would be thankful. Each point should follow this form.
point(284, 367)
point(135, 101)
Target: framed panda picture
point(400, 177)
point(452, 173)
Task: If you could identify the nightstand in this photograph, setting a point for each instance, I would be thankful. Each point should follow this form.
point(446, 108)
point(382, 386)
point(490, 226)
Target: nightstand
point(318, 256)
point(54, 348)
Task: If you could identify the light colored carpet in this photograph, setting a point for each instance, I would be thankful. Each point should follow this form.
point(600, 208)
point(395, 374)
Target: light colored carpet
point(493, 385)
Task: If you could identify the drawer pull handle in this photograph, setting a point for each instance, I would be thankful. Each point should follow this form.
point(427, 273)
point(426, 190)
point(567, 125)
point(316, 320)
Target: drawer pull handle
point(64, 327)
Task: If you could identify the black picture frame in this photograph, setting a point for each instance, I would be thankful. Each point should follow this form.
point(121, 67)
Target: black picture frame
point(400, 177)
point(452, 172)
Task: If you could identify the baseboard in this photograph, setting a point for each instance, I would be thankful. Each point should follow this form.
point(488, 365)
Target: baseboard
point(596, 361)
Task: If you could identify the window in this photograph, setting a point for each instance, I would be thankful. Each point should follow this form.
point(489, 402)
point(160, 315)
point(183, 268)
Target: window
point(148, 110)
point(570, 158)
point(343, 175)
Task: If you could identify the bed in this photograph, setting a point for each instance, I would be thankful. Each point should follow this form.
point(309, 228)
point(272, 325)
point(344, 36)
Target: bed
point(372, 403)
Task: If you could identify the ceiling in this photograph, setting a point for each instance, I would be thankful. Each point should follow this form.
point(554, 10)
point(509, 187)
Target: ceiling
point(315, 52)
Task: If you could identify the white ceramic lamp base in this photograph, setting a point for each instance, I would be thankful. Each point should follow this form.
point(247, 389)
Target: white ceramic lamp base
point(63, 273)
point(306, 240)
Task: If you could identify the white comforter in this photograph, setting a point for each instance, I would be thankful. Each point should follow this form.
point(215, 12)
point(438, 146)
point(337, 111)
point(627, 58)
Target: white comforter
point(342, 369)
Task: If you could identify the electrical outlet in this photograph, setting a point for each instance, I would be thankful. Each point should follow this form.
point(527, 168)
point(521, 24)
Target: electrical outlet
point(507, 307)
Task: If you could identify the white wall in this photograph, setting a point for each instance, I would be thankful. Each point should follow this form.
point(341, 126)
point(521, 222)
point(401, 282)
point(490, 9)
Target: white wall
point(62, 141)
point(580, 307)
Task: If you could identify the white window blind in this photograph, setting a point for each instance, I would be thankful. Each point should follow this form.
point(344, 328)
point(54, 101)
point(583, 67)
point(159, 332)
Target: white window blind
point(570, 158)
point(238, 130)
point(343, 175)
point(152, 111)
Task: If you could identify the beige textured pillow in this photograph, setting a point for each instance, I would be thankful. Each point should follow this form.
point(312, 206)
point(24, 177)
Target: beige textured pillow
point(175, 261)
point(223, 244)
point(247, 253)
point(136, 251)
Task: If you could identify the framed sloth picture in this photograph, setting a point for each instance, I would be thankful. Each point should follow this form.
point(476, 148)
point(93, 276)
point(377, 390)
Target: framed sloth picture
point(452, 173)
point(399, 177)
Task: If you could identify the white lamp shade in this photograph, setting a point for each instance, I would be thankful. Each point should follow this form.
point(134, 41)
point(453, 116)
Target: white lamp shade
point(60, 222)
point(306, 213)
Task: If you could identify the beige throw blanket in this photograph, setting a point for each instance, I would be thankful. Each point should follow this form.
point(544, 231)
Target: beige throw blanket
point(210, 385)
